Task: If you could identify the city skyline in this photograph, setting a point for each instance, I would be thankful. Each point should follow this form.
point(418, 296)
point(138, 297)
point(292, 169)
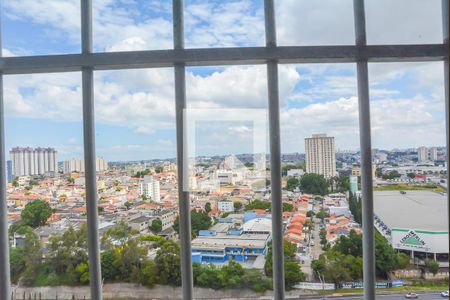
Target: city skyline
point(169, 158)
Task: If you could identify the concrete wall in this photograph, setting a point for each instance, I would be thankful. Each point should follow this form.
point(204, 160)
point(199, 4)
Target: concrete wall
point(132, 291)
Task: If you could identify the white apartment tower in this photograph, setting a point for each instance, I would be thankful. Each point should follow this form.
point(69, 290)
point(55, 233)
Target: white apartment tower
point(320, 155)
point(33, 161)
point(150, 188)
point(433, 154)
point(422, 154)
point(77, 165)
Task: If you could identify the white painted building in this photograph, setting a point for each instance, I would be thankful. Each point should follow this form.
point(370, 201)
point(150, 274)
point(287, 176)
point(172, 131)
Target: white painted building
point(320, 155)
point(33, 161)
point(77, 165)
point(150, 187)
point(225, 206)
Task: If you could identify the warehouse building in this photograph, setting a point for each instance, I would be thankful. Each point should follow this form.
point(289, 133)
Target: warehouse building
point(414, 222)
point(223, 242)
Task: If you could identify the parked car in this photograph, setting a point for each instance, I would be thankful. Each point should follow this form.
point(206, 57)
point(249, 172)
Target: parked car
point(411, 296)
point(444, 294)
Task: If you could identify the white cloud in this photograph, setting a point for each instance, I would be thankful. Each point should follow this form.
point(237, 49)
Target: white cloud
point(395, 123)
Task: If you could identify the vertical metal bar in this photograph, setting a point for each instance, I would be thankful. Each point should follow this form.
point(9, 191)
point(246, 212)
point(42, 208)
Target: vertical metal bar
point(366, 155)
point(5, 279)
point(183, 196)
point(275, 155)
point(447, 104)
point(95, 275)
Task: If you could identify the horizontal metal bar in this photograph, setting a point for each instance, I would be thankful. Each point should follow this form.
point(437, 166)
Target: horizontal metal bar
point(222, 56)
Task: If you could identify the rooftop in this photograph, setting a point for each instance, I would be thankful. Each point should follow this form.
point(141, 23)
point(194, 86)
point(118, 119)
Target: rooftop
point(423, 210)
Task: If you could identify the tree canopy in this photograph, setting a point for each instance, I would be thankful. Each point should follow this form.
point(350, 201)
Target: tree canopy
point(258, 204)
point(312, 183)
point(344, 260)
point(36, 213)
point(199, 221)
point(293, 273)
point(156, 225)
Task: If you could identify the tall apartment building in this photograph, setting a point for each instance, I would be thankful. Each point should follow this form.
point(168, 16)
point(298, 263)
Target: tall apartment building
point(433, 154)
point(77, 165)
point(33, 161)
point(422, 154)
point(425, 154)
point(150, 188)
point(320, 155)
point(9, 172)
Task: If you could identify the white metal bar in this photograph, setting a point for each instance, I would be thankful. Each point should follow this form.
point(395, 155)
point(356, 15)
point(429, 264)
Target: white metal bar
point(183, 196)
point(275, 156)
point(366, 156)
point(222, 56)
point(95, 277)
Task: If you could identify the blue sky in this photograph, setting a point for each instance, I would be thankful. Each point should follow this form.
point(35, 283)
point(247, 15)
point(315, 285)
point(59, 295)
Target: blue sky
point(135, 108)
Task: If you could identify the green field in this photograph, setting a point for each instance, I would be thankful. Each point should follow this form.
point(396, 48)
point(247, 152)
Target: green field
point(415, 187)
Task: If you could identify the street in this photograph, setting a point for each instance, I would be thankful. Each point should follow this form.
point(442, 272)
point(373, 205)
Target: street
point(426, 296)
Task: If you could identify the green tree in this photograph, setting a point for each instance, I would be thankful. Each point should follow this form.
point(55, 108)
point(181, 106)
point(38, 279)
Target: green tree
point(292, 183)
point(149, 273)
point(128, 205)
point(83, 272)
point(156, 226)
point(199, 221)
point(355, 207)
point(237, 205)
point(331, 266)
point(32, 258)
point(431, 266)
point(314, 184)
point(167, 262)
point(411, 175)
point(109, 271)
point(118, 235)
point(293, 272)
point(66, 251)
point(208, 207)
point(36, 213)
point(322, 214)
point(15, 182)
point(17, 263)
point(257, 204)
point(159, 169)
point(288, 207)
point(391, 175)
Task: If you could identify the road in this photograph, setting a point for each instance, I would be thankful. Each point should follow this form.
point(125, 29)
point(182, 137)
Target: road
point(425, 296)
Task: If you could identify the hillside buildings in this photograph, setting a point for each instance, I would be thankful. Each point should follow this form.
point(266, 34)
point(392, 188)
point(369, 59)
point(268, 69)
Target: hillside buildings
point(320, 155)
point(33, 161)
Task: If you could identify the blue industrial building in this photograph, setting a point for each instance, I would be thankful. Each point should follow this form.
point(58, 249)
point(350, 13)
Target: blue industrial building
point(246, 244)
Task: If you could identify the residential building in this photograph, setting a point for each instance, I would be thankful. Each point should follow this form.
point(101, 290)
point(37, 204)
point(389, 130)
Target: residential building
point(433, 154)
point(150, 187)
point(422, 154)
point(295, 172)
point(33, 161)
point(225, 206)
point(9, 171)
point(320, 155)
point(77, 165)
